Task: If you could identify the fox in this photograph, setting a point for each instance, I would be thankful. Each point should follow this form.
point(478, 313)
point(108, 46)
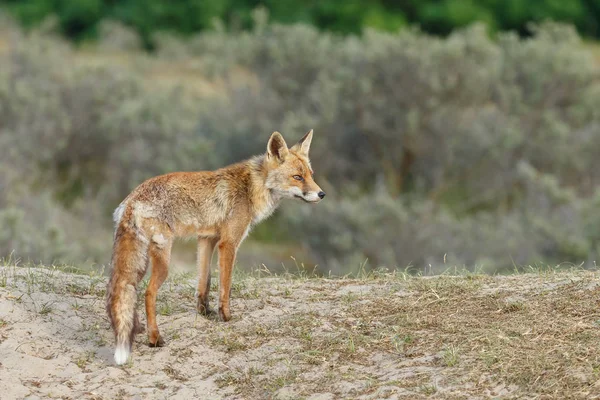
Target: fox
point(219, 208)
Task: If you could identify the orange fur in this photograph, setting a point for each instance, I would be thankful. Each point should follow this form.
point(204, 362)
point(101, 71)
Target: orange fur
point(219, 207)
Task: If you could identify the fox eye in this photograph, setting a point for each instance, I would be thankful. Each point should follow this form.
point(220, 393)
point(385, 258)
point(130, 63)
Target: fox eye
point(298, 178)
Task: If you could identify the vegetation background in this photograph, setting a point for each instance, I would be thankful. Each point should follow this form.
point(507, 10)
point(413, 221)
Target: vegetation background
point(470, 141)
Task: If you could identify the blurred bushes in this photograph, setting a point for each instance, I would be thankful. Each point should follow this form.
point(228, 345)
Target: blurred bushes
point(74, 141)
point(478, 149)
point(441, 152)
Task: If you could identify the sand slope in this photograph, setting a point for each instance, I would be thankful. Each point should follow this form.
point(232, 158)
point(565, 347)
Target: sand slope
point(386, 336)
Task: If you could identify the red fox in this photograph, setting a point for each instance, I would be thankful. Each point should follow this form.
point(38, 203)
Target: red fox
point(219, 207)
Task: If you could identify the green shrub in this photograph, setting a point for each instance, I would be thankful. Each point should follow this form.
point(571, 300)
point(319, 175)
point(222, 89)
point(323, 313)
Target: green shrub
point(80, 19)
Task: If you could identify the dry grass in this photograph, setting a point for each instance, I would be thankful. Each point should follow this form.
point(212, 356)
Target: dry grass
point(382, 335)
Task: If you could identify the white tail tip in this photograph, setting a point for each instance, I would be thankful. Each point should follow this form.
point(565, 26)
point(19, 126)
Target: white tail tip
point(121, 355)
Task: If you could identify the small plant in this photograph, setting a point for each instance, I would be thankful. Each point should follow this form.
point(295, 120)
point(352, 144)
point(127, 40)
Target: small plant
point(350, 297)
point(173, 373)
point(234, 344)
point(76, 306)
point(84, 359)
point(46, 308)
point(489, 358)
point(306, 334)
point(400, 342)
point(351, 346)
point(166, 307)
point(428, 389)
point(450, 356)
point(283, 380)
point(3, 277)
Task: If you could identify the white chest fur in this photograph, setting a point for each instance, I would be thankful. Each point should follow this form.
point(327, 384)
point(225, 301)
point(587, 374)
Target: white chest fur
point(265, 210)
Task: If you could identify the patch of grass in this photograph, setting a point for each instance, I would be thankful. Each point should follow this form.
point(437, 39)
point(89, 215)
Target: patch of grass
point(450, 356)
point(231, 341)
point(62, 279)
point(188, 291)
point(489, 358)
point(442, 287)
point(174, 373)
point(261, 330)
point(4, 277)
point(76, 305)
point(165, 308)
point(238, 377)
point(84, 359)
point(168, 305)
point(428, 389)
point(513, 306)
point(172, 334)
point(306, 335)
point(46, 308)
point(401, 342)
point(279, 381)
point(350, 297)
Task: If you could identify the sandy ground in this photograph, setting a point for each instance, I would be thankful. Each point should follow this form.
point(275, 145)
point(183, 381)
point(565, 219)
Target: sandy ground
point(387, 336)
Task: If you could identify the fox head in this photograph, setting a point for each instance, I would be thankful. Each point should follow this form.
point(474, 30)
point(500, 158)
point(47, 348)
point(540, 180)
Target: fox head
point(289, 172)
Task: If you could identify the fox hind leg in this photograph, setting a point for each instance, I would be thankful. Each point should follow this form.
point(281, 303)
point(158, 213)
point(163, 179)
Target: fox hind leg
point(205, 251)
point(160, 255)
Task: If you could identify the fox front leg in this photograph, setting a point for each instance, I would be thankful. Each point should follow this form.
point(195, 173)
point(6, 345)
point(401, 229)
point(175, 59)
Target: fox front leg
point(227, 252)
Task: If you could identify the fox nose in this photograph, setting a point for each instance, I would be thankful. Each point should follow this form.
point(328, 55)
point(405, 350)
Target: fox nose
point(321, 194)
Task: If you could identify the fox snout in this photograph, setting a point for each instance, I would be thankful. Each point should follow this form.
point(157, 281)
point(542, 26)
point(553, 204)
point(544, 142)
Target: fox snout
point(313, 196)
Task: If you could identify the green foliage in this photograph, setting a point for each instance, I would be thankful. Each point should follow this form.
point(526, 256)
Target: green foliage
point(80, 19)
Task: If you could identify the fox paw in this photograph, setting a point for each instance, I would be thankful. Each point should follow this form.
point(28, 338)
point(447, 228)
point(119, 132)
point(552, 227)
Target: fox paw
point(204, 309)
point(159, 342)
point(224, 315)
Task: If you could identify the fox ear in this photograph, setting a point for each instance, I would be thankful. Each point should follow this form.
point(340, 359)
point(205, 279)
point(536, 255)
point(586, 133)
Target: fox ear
point(277, 147)
point(303, 146)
